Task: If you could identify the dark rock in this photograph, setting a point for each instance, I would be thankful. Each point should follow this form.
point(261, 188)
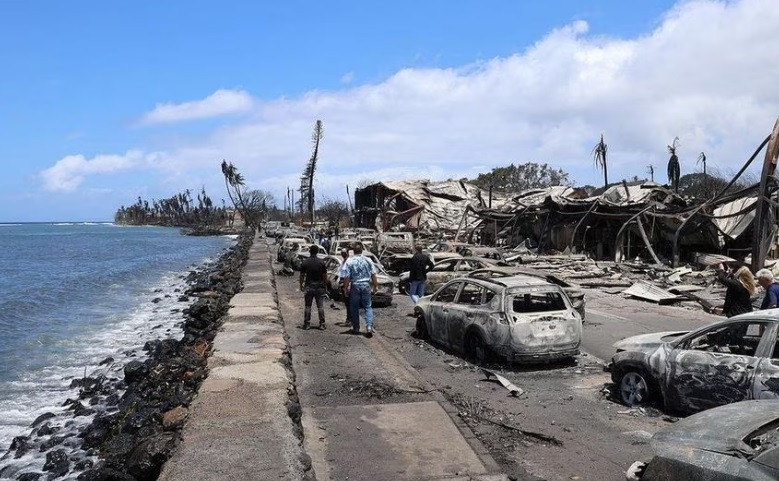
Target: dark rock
point(51, 442)
point(81, 410)
point(20, 444)
point(146, 460)
point(105, 361)
point(46, 429)
point(42, 418)
point(156, 300)
point(135, 371)
point(29, 477)
point(174, 418)
point(57, 463)
point(83, 464)
point(104, 473)
point(183, 298)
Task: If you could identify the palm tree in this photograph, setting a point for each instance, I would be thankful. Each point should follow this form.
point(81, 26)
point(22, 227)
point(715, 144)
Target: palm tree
point(599, 157)
point(673, 165)
point(307, 178)
point(233, 181)
point(702, 160)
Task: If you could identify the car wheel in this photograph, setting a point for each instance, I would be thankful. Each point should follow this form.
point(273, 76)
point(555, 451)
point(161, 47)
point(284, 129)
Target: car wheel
point(422, 328)
point(635, 388)
point(476, 349)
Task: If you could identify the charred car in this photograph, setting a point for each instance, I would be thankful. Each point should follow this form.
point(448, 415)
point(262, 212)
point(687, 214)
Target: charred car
point(289, 245)
point(574, 293)
point(728, 361)
point(302, 252)
point(383, 296)
point(399, 263)
point(519, 319)
point(730, 443)
point(445, 271)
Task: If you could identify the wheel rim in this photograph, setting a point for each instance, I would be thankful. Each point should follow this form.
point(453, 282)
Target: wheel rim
point(633, 388)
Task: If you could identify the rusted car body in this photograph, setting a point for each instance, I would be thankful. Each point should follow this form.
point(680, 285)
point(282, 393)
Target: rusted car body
point(289, 245)
point(297, 256)
point(519, 319)
point(574, 293)
point(729, 361)
point(383, 296)
point(399, 263)
point(446, 270)
point(730, 443)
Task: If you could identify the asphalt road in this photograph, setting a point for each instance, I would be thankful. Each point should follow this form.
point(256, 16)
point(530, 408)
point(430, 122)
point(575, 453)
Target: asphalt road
point(564, 427)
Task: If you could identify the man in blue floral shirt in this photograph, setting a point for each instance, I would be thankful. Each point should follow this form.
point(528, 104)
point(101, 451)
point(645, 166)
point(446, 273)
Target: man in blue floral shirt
point(360, 284)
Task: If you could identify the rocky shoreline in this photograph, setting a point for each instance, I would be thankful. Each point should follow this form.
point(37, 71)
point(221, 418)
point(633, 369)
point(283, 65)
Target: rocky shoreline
point(133, 434)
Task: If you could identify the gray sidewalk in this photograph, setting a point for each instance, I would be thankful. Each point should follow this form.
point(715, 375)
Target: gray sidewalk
point(239, 427)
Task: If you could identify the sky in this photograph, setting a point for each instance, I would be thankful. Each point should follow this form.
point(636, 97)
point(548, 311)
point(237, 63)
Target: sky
point(102, 102)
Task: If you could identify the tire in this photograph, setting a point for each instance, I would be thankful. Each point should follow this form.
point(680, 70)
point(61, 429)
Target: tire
point(636, 388)
point(422, 328)
point(476, 350)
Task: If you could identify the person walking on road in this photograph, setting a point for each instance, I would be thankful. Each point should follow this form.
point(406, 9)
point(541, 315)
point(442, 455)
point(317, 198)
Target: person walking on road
point(360, 284)
point(342, 274)
point(420, 264)
point(741, 286)
point(766, 279)
point(313, 279)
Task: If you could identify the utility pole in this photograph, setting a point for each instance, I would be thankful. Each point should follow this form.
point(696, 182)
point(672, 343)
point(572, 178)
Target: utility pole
point(763, 226)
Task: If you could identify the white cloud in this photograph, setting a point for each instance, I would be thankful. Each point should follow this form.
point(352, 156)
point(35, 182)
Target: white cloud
point(69, 172)
point(706, 74)
point(222, 102)
point(347, 78)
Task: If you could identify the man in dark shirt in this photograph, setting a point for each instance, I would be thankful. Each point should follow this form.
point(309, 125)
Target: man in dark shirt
point(420, 264)
point(313, 279)
point(766, 279)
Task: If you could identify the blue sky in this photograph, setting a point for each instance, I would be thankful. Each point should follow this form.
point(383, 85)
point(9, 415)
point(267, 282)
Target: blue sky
point(101, 102)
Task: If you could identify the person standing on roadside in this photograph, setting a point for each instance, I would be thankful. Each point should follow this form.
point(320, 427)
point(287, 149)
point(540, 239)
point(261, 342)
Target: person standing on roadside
point(342, 274)
point(360, 283)
point(741, 286)
point(766, 279)
point(313, 279)
point(420, 264)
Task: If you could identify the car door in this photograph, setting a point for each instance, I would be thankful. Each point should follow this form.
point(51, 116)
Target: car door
point(716, 366)
point(766, 384)
point(440, 306)
point(465, 310)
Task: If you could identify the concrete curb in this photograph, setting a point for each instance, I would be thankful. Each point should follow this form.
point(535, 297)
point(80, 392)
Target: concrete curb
point(244, 423)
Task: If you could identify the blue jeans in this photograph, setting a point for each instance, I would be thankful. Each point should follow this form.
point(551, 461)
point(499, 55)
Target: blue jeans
point(360, 297)
point(416, 290)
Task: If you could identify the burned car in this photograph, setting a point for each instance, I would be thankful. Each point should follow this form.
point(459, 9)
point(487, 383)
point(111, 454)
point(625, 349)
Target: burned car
point(401, 262)
point(445, 271)
point(728, 361)
point(520, 319)
point(730, 443)
point(289, 245)
point(574, 293)
point(301, 253)
point(383, 296)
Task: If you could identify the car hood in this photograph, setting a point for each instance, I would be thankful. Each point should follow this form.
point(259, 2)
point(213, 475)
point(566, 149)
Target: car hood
point(728, 429)
point(647, 342)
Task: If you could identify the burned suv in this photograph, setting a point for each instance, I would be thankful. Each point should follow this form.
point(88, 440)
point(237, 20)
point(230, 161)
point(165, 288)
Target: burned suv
point(520, 319)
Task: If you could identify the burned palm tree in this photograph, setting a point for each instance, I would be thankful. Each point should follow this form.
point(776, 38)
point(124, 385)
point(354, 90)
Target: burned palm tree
point(599, 157)
point(702, 160)
point(307, 177)
point(651, 170)
point(673, 165)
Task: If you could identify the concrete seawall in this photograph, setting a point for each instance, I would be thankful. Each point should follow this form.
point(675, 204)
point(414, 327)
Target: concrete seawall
point(241, 424)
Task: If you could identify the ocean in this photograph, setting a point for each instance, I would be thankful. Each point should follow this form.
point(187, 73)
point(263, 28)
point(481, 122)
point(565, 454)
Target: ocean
point(73, 295)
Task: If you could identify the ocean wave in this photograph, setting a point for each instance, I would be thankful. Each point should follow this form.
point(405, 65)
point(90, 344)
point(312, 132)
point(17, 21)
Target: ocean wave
point(8, 225)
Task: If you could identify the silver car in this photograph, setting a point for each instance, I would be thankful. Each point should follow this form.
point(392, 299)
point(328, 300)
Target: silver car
point(728, 361)
point(383, 296)
point(520, 319)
